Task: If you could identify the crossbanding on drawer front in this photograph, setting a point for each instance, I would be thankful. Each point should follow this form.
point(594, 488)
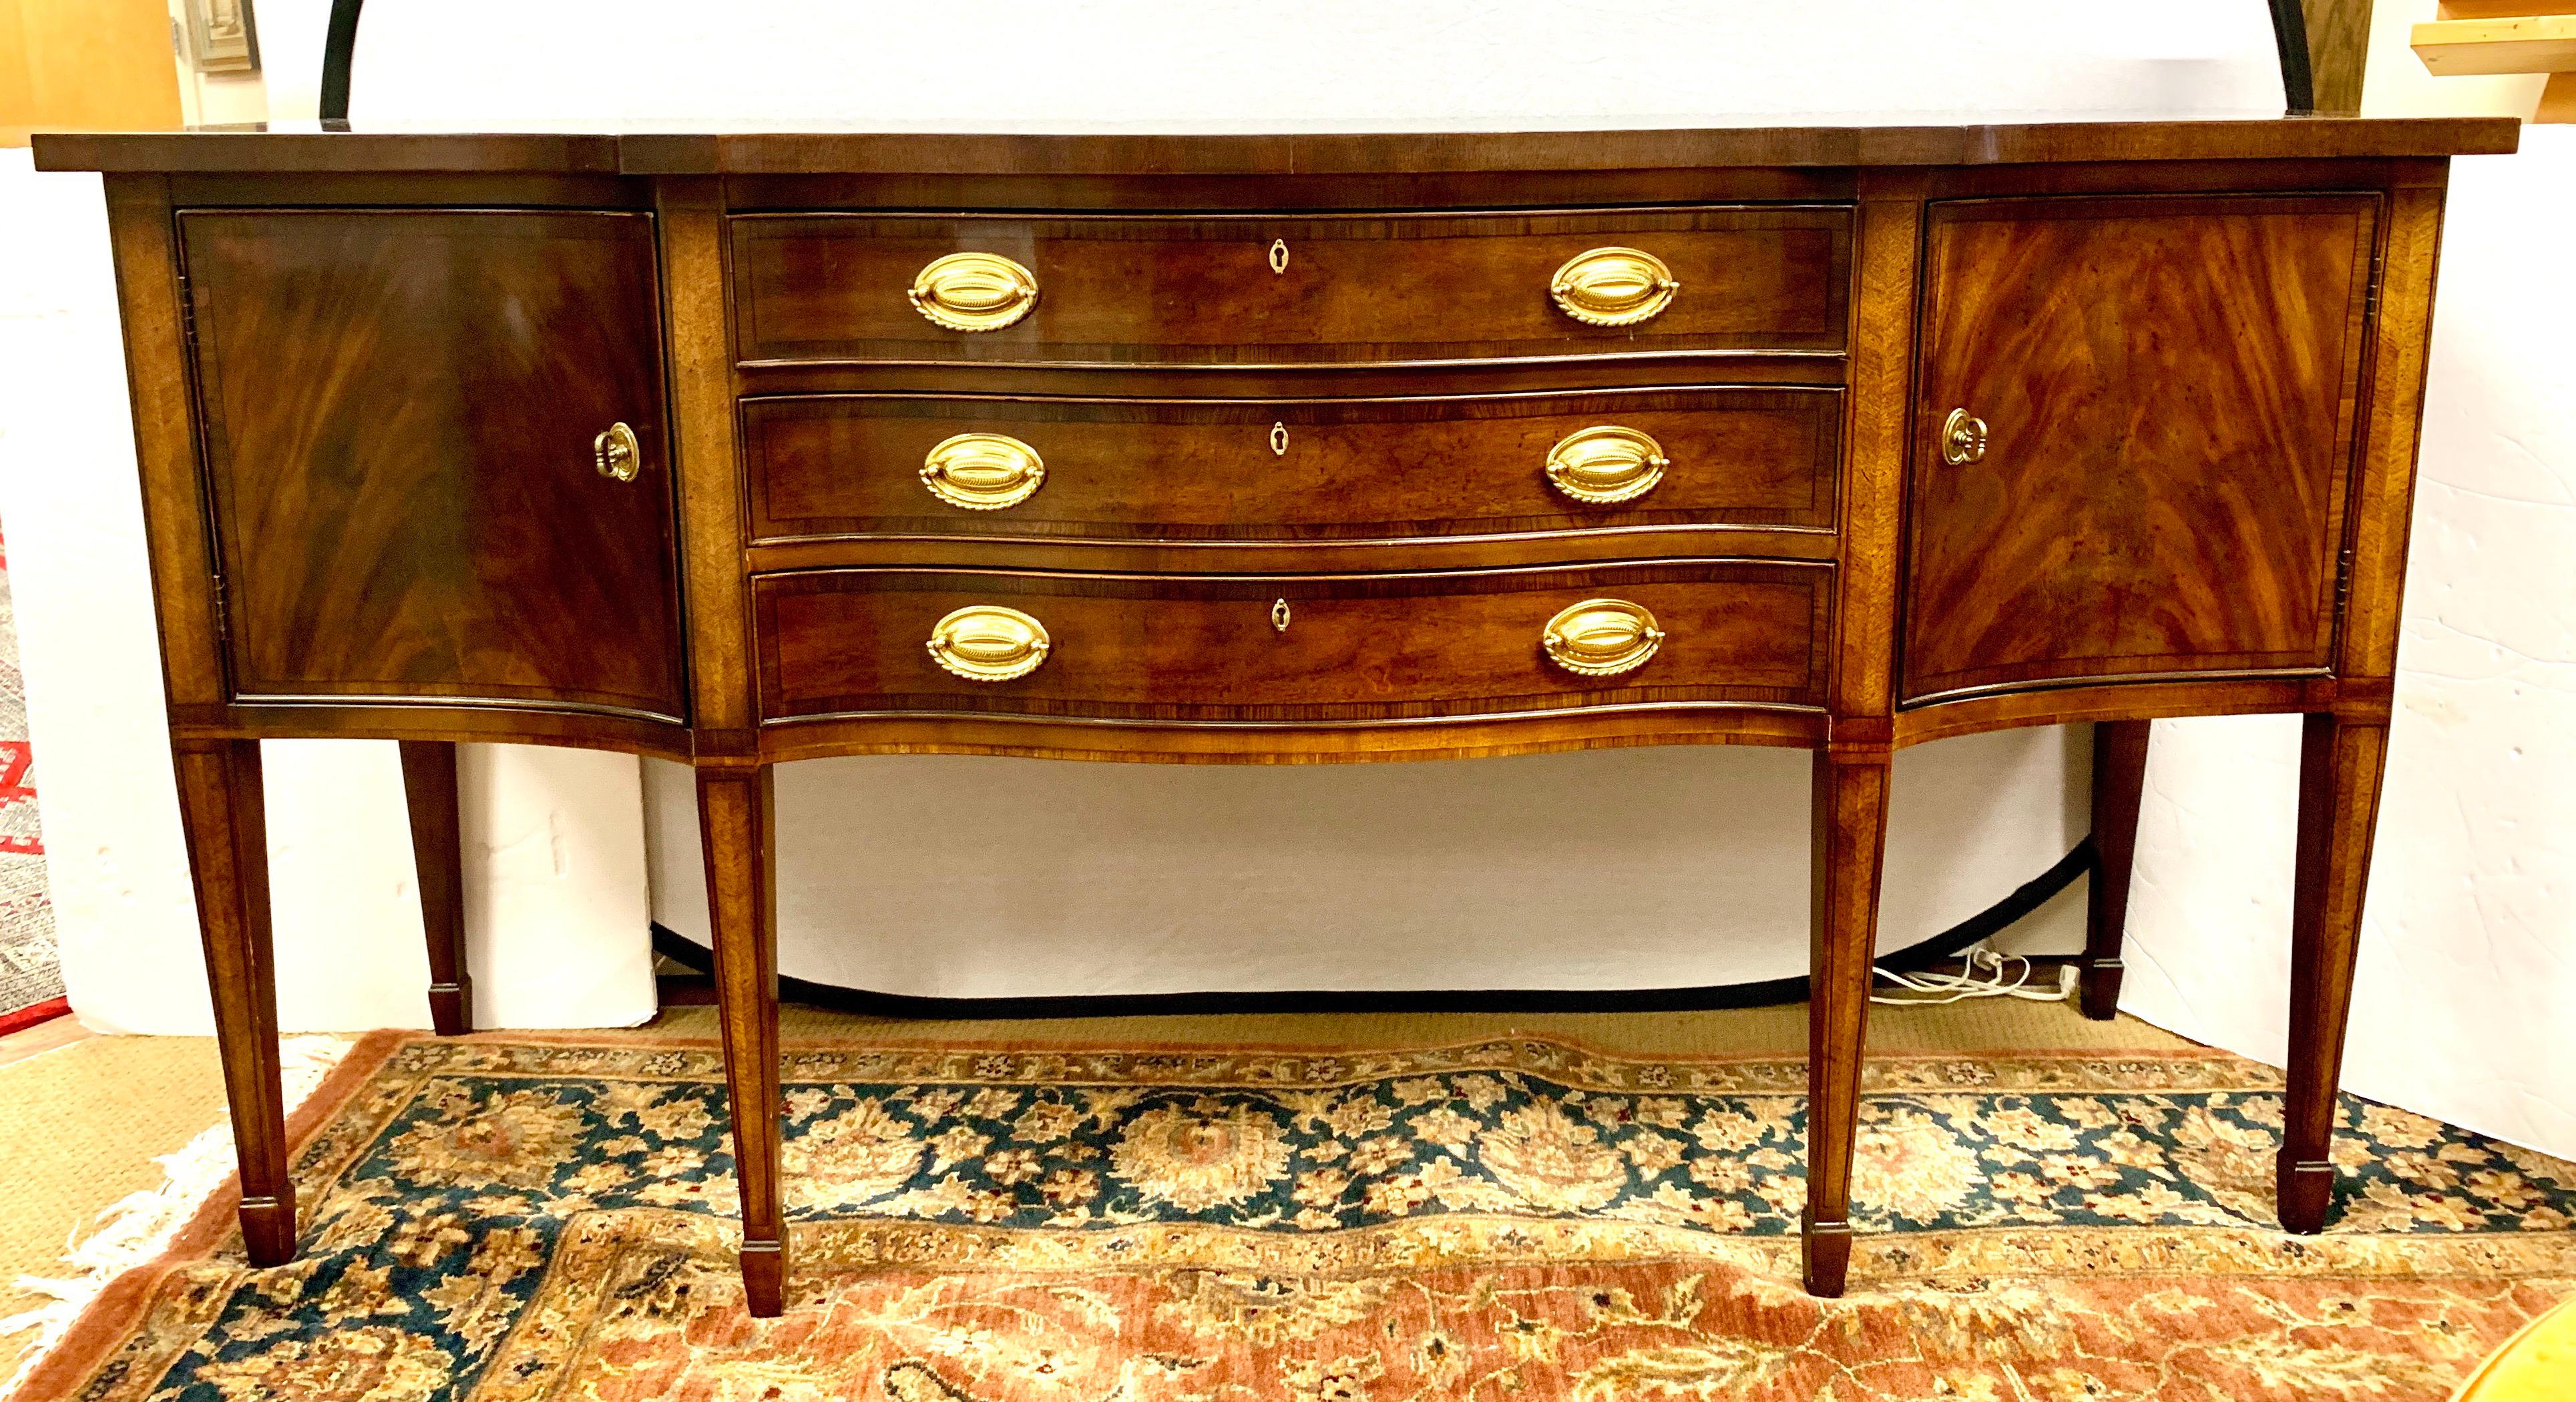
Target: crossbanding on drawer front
point(1288, 289)
point(1268, 470)
point(1289, 648)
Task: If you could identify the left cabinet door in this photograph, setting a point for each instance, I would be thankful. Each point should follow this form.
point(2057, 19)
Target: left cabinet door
point(399, 410)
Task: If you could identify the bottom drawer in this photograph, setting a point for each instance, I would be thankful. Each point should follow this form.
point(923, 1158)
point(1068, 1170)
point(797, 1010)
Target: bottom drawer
point(1289, 649)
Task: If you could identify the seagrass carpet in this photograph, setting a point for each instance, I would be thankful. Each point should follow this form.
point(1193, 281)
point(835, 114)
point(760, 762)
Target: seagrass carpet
point(1506, 1217)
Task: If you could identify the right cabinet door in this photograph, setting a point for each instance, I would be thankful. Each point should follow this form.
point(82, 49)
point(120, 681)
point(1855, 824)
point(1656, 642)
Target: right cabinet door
point(2132, 434)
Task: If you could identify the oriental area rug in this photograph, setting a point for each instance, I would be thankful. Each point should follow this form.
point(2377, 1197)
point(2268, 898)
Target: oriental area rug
point(31, 974)
point(507, 1217)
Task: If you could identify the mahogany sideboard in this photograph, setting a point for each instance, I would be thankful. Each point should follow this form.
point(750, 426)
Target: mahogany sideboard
point(740, 449)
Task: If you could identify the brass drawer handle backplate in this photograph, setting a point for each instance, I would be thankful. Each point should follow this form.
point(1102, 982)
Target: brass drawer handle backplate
point(989, 643)
point(974, 291)
point(616, 453)
point(1602, 637)
point(1963, 438)
point(1613, 287)
point(1605, 465)
point(983, 471)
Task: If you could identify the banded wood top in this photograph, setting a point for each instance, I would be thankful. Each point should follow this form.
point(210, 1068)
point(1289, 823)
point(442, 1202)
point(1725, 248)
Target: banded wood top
point(309, 148)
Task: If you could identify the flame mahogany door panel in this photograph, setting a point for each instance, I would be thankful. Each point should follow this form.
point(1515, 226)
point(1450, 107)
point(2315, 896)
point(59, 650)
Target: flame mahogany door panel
point(398, 411)
point(2168, 388)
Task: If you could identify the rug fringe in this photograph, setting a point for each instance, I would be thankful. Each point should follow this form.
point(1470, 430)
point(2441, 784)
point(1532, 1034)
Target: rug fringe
point(137, 1229)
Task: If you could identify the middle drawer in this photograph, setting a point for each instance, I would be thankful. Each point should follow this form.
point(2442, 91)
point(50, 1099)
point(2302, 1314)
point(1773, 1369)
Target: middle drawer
point(843, 465)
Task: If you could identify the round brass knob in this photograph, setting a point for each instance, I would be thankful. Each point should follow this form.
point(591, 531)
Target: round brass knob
point(1602, 637)
point(1613, 287)
point(974, 291)
point(616, 453)
point(989, 643)
point(983, 471)
point(1605, 465)
point(1963, 438)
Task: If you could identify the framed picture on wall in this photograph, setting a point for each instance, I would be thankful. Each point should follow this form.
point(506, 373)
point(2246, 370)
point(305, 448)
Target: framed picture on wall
point(222, 36)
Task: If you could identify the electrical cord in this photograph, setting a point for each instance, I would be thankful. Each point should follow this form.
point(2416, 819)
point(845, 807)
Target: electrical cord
point(1983, 973)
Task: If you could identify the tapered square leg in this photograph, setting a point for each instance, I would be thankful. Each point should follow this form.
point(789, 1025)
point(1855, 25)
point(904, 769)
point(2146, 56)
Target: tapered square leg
point(2119, 784)
point(735, 820)
point(2340, 764)
point(438, 854)
point(1850, 826)
point(223, 811)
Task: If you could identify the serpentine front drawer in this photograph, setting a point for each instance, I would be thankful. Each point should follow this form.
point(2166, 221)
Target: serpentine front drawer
point(1247, 290)
point(1289, 648)
point(844, 465)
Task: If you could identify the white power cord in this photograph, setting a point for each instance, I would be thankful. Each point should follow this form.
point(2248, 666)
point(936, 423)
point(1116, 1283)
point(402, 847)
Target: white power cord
point(1983, 973)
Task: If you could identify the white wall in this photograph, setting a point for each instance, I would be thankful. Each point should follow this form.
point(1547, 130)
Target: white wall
point(965, 877)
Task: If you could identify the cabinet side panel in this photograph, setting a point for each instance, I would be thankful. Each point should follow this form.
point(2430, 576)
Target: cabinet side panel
point(165, 437)
point(2383, 504)
point(711, 492)
point(1873, 483)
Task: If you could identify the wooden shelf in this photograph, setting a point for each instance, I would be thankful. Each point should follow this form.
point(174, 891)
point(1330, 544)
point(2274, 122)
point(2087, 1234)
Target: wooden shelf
point(2524, 44)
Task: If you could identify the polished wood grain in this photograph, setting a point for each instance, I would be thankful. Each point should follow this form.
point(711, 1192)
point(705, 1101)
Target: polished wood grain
point(1572, 371)
point(2119, 785)
point(438, 856)
point(699, 325)
point(738, 825)
point(2120, 700)
point(2384, 498)
point(222, 811)
point(1121, 289)
point(1822, 140)
point(397, 720)
point(2338, 52)
point(1166, 742)
point(398, 409)
point(155, 315)
point(1288, 470)
point(1848, 822)
point(2340, 765)
point(1873, 495)
point(1384, 647)
point(2170, 386)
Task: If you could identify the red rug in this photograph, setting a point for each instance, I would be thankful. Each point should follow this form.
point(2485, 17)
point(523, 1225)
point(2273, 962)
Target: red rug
point(508, 1218)
point(31, 975)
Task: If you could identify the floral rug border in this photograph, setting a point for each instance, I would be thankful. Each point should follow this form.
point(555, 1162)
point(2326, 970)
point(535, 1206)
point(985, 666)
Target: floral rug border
point(347, 1114)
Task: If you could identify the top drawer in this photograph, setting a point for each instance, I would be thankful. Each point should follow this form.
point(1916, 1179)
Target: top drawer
point(1249, 290)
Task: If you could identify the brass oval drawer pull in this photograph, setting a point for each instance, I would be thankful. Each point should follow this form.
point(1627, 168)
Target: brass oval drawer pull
point(989, 643)
point(1602, 637)
point(1606, 464)
point(1613, 287)
point(983, 471)
point(616, 453)
point(1963, 438)
point(974, 291)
